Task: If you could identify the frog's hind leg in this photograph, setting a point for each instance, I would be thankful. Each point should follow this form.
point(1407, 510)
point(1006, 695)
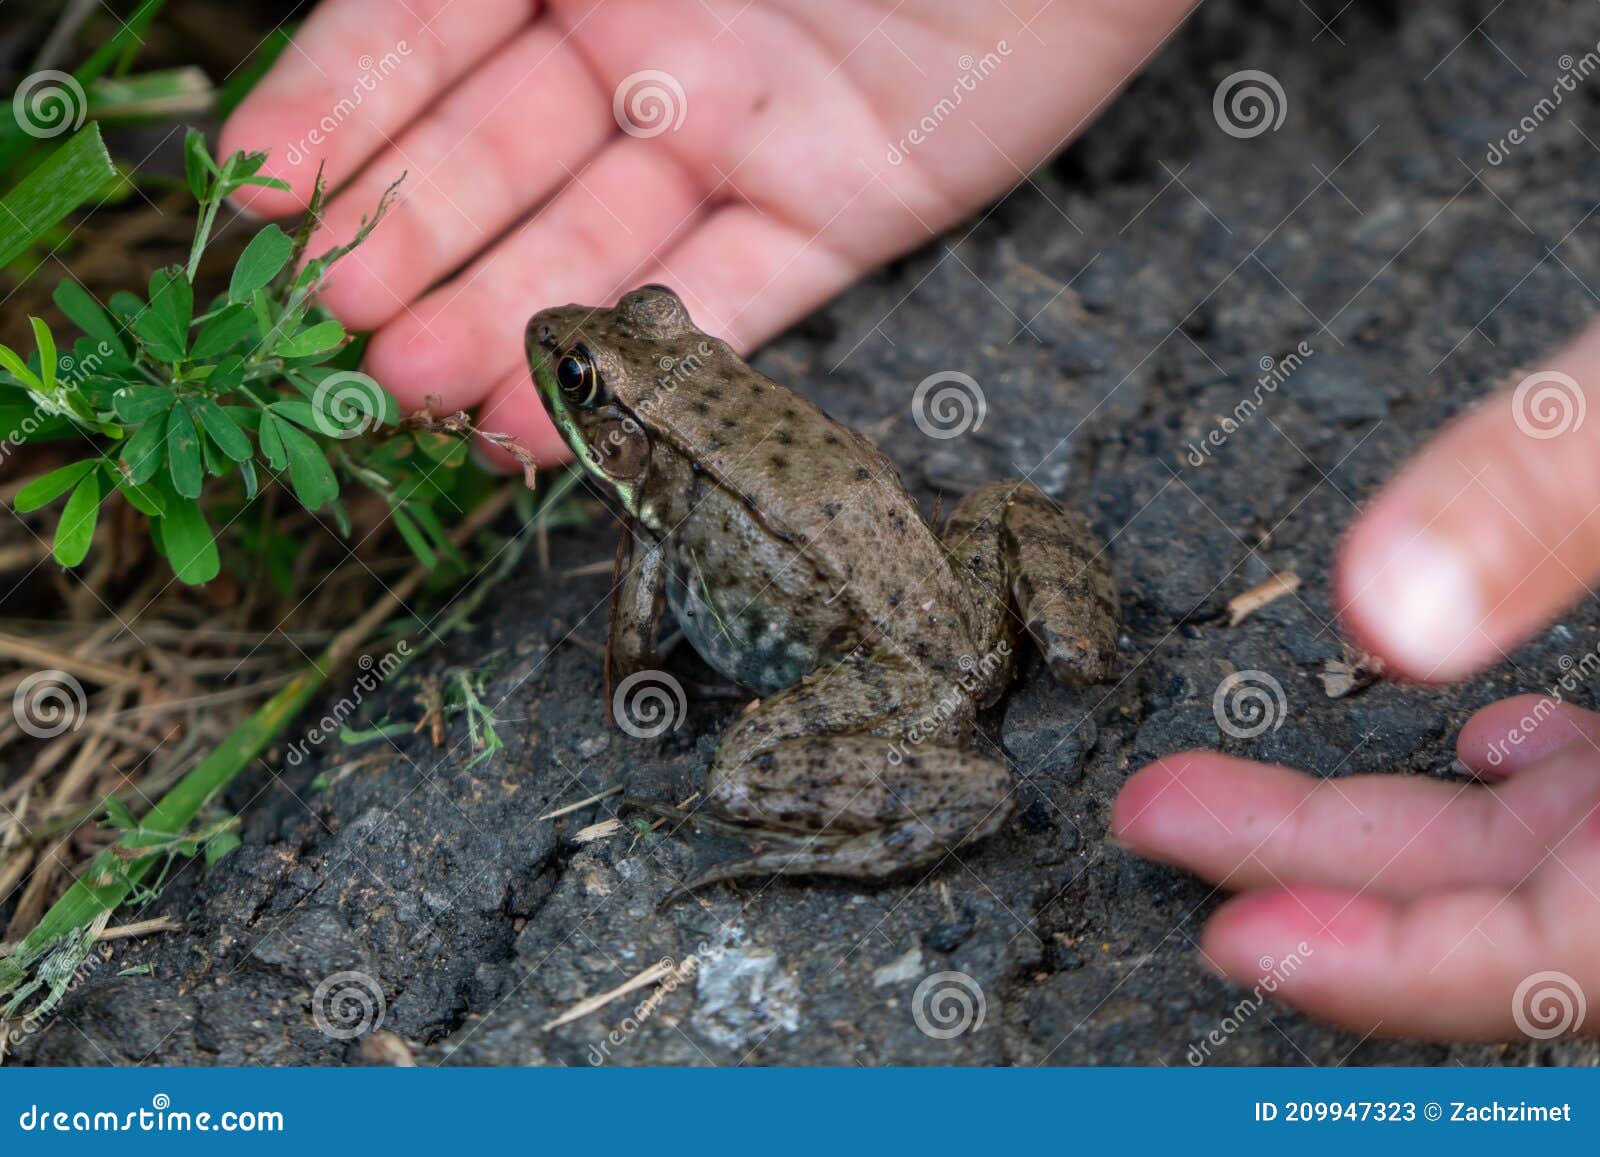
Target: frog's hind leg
point(868, 806)
point(1008, 539)
point(861, 772)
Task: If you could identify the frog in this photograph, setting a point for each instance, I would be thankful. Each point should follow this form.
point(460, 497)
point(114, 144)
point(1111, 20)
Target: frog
point(789, 553)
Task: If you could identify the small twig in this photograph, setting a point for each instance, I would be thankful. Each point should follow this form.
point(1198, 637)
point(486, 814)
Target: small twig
point(582, 803)
point(657, 971)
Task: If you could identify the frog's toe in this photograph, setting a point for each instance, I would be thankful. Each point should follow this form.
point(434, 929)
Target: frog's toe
point(1061, 586)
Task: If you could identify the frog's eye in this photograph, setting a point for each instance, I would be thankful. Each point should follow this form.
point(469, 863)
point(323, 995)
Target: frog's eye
point(578, 378)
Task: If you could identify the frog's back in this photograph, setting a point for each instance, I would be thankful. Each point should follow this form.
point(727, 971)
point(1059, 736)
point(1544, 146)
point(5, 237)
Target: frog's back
point(827, 491)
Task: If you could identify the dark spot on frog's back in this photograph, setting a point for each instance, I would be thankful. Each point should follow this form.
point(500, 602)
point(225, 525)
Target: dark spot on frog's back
point(702, 408)
point(831, 509)
point(779, 462)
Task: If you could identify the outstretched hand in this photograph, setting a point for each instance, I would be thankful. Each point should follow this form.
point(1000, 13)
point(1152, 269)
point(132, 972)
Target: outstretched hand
point(756, 158)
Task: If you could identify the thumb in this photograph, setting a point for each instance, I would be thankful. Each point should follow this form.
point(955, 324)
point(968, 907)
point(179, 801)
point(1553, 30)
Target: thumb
point(1489, 532)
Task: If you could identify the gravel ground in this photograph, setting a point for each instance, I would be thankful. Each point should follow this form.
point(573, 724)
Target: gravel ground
point(1113, 308)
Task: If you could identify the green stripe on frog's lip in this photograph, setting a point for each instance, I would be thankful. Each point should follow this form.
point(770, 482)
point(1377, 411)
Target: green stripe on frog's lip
point(556, 407)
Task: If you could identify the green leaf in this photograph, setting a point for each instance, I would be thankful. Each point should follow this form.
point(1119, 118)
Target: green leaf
point(198, 166)
point(45, 490)
point(311, 340)
point(189, 546)
point(224, 331)
point(413, 537)
point(272, 442)
point(17, 368)
point(46, 341)
point(76, 172)
point(136, 403)
point(247, 471)
point(300, 413)
point(309, 473)
point(85, 312)
point(75, 531)
point(163, 327)
point(143, 453)
point(229, 438)
point(144, 499)
point(220, 845)
point(118, 815)
point(183, 453)
point(260, 262)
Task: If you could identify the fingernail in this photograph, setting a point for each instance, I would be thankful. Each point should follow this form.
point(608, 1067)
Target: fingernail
point(1420, 604)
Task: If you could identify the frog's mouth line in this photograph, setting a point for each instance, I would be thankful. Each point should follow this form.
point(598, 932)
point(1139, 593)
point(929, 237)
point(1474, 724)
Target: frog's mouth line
point(572, 432)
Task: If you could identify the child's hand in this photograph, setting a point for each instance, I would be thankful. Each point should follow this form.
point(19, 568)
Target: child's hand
point(791, 174)
point(1425, 904)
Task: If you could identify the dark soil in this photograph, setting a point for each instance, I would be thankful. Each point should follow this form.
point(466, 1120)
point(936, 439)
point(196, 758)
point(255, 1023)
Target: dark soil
point(1115, 307)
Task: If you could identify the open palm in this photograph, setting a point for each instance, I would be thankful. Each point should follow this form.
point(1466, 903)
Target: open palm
point(757, 157)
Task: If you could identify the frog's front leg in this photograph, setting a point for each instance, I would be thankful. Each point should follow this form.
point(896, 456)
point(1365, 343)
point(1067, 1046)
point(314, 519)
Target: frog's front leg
point(860, 773)
point(637, 600)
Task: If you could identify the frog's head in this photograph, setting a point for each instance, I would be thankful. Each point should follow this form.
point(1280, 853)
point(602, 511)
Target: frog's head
point(599, 373)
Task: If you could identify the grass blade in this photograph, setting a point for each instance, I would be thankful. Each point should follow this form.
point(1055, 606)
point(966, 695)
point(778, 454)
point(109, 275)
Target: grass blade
point(77, 171)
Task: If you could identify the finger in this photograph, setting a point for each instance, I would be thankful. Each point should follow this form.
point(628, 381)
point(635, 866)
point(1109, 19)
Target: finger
point(472, 166)
point(514, 409)
point(1468, 964)
point(1517, 733)
point(587, 245)
point(1249, 825)
point(1488, 532)
point(356, 74)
